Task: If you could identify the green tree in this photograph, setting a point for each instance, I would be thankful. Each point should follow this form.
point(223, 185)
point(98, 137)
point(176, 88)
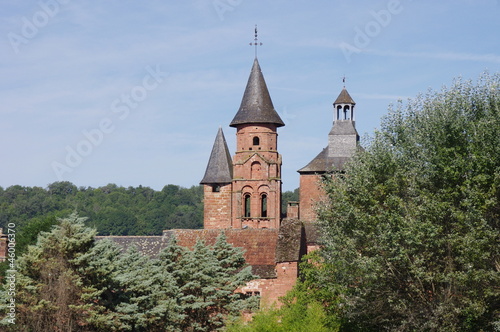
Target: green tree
point(411, 229)
point(207, 278)
point(312, 304)
point(288, 196)
point(50, 293)
point(290, 318)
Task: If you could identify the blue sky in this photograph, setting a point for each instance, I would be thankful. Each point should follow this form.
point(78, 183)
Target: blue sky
point(133, 92)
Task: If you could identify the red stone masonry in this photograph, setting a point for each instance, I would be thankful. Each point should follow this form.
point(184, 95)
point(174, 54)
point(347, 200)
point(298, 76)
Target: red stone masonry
point(217, 206)
point(256, 172)
point(259, 244)
point(311, 193)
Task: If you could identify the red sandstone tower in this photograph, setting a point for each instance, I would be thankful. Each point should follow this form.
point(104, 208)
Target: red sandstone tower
point(342, 143)
point(246, 192)
point(217, 186)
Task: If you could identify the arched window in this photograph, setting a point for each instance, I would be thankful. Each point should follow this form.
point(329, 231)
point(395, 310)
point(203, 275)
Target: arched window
point(339, 108)
point(347, 114)
point(256, 141)
point(263, 206)
point(247, 205)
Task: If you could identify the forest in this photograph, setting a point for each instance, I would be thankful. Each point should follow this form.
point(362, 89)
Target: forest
point(111, 209)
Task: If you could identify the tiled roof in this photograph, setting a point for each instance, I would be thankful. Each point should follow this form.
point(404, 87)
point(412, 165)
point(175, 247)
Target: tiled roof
point(344, 98)
point(322, 163)
point(219, 167)
point(290, 241)
point(312, 233)
point(148, 245)
point(343, 127)
point(256, 105)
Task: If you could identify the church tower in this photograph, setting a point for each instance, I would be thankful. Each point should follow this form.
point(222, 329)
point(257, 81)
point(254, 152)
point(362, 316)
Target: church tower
point(245, 192)
point(256, 199)
point(343, 141)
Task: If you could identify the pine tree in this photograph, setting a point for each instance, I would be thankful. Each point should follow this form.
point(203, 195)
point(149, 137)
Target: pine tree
point(150, 294)
point(51, 295)
point(207, 279)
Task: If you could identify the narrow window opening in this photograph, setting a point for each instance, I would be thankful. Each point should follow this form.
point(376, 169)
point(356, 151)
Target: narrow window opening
point(256, 141)
point(263, 206)
point(346, 112)
point(216, 188)
point(247, 206)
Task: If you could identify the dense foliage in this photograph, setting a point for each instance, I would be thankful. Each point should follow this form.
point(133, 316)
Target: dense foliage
point(311, 306)
point(112, 210)
point(70, 282)
point(412, 227)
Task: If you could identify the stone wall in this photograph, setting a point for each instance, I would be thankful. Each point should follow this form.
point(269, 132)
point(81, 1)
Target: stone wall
point(311, 193)
point(217, 206)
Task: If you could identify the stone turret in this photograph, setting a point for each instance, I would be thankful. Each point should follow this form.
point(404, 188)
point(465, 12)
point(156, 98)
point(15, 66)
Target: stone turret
point(343, 141)
point(217, 186)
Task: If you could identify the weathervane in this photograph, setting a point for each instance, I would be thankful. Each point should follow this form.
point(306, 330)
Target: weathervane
point(256, 41)
point(343, 80)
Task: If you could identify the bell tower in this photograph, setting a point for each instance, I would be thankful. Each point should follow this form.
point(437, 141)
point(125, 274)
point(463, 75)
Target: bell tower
point(343, 141)
point(256, 198)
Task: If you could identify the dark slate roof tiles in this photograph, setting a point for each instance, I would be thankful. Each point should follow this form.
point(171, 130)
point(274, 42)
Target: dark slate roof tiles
point(344, 98)
point(147, 245)
point(219, 167)
point(289, 244)
point(323, 163)
point(256, 105)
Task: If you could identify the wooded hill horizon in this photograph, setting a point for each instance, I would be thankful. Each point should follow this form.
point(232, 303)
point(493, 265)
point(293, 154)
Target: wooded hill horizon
point(110, 209)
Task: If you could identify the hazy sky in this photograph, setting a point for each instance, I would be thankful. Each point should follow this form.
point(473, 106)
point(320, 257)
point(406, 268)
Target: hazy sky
point(133, 92)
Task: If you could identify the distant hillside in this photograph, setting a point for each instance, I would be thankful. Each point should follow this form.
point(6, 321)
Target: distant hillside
point(112, 210)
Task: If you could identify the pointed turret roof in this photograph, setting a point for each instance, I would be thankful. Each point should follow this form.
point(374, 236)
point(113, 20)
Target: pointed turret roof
point(344, 98)
point(256, 105)
point(220, 167)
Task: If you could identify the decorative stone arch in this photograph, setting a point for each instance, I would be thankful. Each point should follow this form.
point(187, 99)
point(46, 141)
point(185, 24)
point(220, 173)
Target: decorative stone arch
point(256, 170)
point(246, 195)
point(263, 201)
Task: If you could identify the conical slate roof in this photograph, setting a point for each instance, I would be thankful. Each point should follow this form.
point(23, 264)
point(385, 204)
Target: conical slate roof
point(344, 98)
point(256, 105)
point(220, 167)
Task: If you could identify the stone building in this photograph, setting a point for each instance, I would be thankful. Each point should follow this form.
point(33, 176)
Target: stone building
point(343, 141)
point(242, 193)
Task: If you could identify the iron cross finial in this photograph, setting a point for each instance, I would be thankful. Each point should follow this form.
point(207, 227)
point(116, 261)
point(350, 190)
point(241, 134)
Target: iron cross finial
point(256, 41)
